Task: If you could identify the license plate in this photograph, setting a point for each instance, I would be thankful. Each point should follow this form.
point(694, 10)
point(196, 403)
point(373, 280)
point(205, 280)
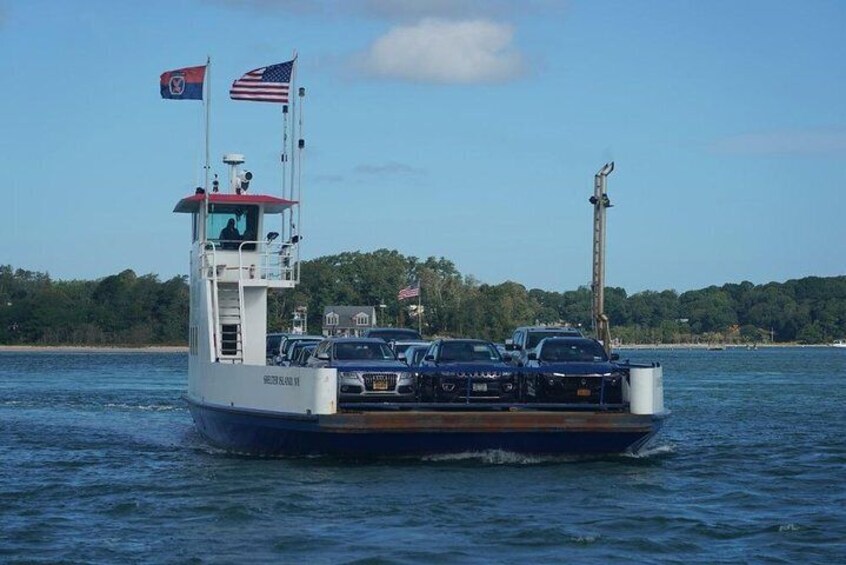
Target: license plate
point(380, 384)
point(480, 387)
point(583, 392)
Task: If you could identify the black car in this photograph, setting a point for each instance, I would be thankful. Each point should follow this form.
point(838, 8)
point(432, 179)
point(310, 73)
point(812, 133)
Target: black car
point(579, 372)
point(367, 369)
point(414, 355)
point(394, 334)
point(287, 346)
point(271, 346)
point(526, 338)
point(469, 370)
point(302, 353)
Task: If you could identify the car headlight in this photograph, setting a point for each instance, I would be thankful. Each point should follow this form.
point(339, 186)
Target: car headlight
point(348, 374)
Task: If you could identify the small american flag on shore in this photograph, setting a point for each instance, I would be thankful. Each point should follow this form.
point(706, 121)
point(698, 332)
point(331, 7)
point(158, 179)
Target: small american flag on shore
point(267, 84)
point(410, 291)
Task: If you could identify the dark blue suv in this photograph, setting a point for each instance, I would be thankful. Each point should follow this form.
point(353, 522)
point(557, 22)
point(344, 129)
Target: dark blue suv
point(468, 370)
point(577, 371)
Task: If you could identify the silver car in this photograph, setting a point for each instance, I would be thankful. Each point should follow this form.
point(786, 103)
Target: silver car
point(367, 370)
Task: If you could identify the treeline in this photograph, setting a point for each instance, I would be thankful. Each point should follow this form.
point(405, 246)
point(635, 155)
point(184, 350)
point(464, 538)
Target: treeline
point(809, 310)
point(122, 309)
point(127, 309)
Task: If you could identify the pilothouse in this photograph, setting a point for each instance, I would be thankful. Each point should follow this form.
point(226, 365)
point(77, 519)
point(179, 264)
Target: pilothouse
point(233, 267)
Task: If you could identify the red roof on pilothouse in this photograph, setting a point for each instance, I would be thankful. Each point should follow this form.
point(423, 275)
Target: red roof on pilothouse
point(272, 204)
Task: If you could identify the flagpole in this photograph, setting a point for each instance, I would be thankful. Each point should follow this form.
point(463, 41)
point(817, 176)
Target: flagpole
point(207, 100)
point(284, 162)
point(419, 309)
point(293, 102)
point(208, 105)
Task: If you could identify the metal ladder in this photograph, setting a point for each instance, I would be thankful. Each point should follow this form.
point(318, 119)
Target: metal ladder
point(231, 322)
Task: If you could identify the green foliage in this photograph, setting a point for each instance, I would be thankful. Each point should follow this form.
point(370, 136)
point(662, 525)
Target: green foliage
point(121, 309)
point(129, 309)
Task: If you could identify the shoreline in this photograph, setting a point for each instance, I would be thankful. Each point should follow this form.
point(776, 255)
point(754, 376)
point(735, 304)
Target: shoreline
point(92, 349)
point(715, 347)
point(184, 348)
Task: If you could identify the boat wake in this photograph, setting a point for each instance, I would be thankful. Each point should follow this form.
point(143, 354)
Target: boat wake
point(651, 451)
point(145, 407)
point(501, 457)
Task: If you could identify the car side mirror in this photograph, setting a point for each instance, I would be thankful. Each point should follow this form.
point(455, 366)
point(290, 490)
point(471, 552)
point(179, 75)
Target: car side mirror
point(430, 358)
point(615, 356)
point(401, 356)
point(509, 345)
point(323, 356)
point(533, 356)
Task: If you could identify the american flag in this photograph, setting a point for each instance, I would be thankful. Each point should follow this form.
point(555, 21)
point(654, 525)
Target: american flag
point(410, 291)
point(267, 84)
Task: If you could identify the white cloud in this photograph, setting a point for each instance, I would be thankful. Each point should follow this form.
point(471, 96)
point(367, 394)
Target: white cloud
point(441, 51)
point(797, 142)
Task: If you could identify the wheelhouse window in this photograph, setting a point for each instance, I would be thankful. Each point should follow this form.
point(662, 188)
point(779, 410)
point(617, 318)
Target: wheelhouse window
point(230, 225)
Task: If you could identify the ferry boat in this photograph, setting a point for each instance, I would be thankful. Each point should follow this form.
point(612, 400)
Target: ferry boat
point(241, 250)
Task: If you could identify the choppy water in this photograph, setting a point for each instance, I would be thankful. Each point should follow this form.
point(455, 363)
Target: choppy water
point(99, 462)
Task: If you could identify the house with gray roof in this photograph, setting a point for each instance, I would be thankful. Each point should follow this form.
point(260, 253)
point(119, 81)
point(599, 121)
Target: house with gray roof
point(348, 320)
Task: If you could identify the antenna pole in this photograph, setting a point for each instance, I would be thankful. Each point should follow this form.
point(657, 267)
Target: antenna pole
point(600, 203)
point(300, 151)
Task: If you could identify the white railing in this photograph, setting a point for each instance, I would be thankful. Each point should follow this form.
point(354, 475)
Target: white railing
point(250, 261)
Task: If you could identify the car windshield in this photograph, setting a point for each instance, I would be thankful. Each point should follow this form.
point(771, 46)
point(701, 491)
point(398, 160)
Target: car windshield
point(295, 349)
point(572, 351)
point(293, 341)
point(467, 351)
point(393, 334)
point(273, 342)
point(536, 337)
point(363, 350)
point(416, 355)
point(305, 352)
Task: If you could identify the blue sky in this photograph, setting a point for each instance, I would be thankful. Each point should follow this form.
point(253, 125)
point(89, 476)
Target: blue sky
point(464, 129)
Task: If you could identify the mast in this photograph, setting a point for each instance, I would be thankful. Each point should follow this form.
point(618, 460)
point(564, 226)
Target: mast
point(600, 202)
point(301, 92)
point(284, 158)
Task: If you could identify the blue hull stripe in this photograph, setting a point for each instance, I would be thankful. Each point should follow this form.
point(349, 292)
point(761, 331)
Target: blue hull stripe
point(264, 434)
